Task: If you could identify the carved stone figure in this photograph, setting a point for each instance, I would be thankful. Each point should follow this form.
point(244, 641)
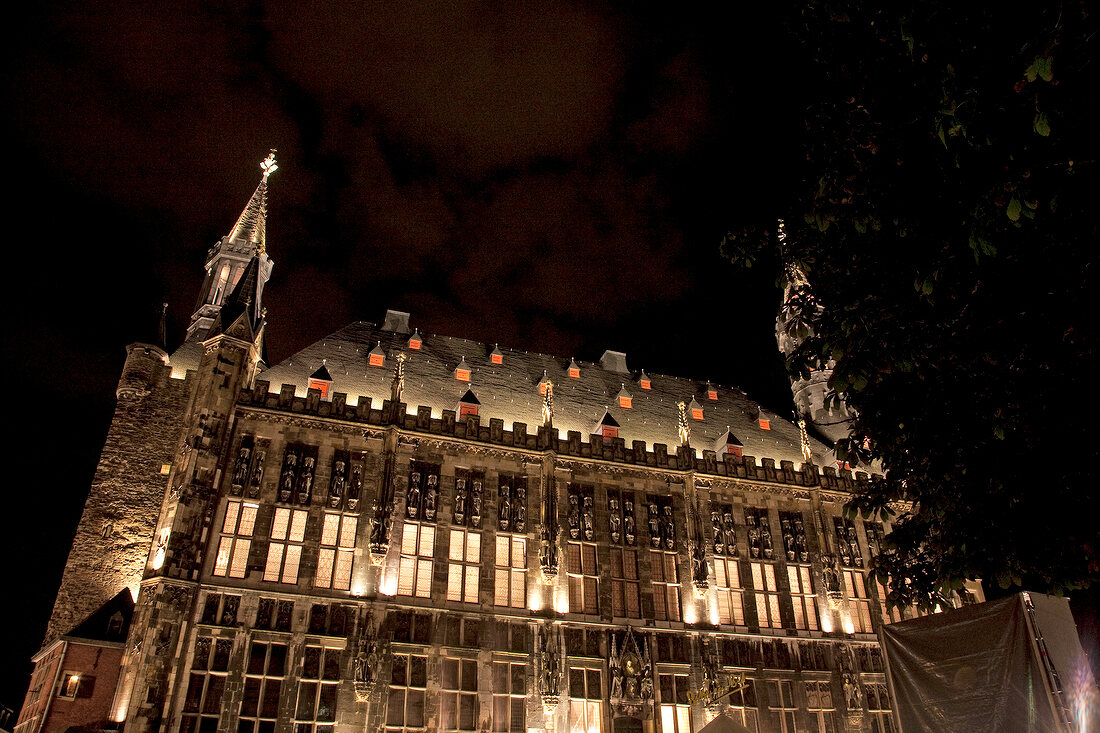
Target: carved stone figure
point(629, 530)
point(240, 473)
point(431, 495)
point(654, 526)
point(716, 530)
point(588, 519)
point(257, 475)
point(668, 529)
point(459, 516)
point(475, 504)
point(519, 510)
point(286, 481)
point(505, 513)
point(337, 485)
point(615, 522)
point(305, 480)
point(853, 697)
point(731, 537)
point(355, 488)
point(412, 499)
point(574, 517)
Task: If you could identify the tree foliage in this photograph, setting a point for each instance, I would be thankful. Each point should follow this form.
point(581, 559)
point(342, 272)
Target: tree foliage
point(947, 222)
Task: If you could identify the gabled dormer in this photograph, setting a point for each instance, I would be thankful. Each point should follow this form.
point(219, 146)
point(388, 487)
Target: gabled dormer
point(495, 356)
point(695, 410)
point(462, 371)
point(574, 369)
point(468, 404)
point(416, 340)
point(728, 443)
point(377, 357)
point(321, 380)
point(543, 383)
point(607, 426)
point(712, 392)
point(644, 381)
point(625, 399)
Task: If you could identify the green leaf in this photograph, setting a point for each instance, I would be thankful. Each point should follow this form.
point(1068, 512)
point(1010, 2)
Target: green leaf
point(1041, 125)
point(1013, 209)
point(1032, 72)
point(1045, 68)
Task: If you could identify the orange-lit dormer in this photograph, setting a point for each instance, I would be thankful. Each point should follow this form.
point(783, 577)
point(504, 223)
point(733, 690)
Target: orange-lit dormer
point(574, 369)
point(543, 382)
point(695, 410)
point(415, 341)
point(765, 424)
point(606, 426)
point(377, 357)
point(321, 380)
point(728, 443)
point(624, 398)
point(462, 371)
point(712, 392)
point(495, 356)
point(644, 381)
point(468, 404)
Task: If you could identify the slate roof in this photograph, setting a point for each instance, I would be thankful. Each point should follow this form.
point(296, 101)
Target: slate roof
point(98, 626)
point(509, 391)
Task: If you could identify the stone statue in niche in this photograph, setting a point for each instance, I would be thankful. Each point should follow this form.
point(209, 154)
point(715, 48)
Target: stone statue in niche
point(615, 522)
point(549, 672)
point(853, 698)
point(475, 503)
point(589, 519)
point(286, 481)
point(460, 502)
point(731, 538)
point(716, 529)
point(574, 516)
point(355, 488)
point(431, 495)
point(240, 472)
point(654, 527)
point(668, 528)
point(519, 510)
point(505, 514)
point(305, 480)
point(337, 485)
point(766, 539)
point(412, 500)
point(257, 475)
point(629, 530)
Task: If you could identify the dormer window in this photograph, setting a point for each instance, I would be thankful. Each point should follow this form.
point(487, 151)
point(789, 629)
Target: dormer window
point(765, 424)
point(574, 369)
point(644, 381)
point(377, 357)
point(543, 382)
point(606, 426)
point(624, 398)
point(695, 409)
point(610, 431)
point(495, 357)
point(728, 443)
point(468, 404)
point(712, 392)
point(415, 341)
point(321, 381)
point(462, 372)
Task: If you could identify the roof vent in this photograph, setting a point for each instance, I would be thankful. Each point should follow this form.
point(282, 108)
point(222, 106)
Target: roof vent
point(396, 321)
point(614, 361)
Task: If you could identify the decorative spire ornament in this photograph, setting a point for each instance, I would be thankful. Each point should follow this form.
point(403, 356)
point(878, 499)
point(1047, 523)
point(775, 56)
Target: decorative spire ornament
point(398, 384)
point(268, 166)
point(682, 423)
point(804, 439)
point(548, 403)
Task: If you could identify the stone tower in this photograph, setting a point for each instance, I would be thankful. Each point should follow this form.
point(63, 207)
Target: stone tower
point(830, 421)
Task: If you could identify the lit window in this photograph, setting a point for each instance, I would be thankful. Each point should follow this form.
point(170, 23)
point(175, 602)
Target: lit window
point(509, 697)
point(202, 705)
point(415, 571)
point(624, 402)
point(712, 394)
point(334, 562)
point(496, 357)
point(697, 413)
point(803, 597)
point(731, 601)
point(675, 709)
point(288, 526)
point(69, 685)
point(645, 384)
point(465, 565)
point(609, 431)
point(322, 386)
point(583, 578)
point(767, 595)
point(237, 527)
point(666, 586)
point(458, 699)
point(462, 372)
point(859, 605)
point(165, 468)
point(465, 408)
point(574, 370)
point(734, 449)
point(625, 595)
point(510, 567)
point(415, 341)
point(819, 701)
point(743, 706)
point(765, 424)
point(377, 357)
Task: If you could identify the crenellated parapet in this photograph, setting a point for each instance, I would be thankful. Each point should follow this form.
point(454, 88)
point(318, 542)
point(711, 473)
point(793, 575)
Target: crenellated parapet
point(285, 406)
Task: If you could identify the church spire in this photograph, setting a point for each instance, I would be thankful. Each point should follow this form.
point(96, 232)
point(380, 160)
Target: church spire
point(237, 266)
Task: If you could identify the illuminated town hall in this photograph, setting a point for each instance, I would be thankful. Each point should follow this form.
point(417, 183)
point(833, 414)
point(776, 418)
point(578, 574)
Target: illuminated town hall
point(394, 530)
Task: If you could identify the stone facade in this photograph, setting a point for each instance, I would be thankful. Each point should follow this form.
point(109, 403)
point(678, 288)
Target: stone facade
point(406, 532)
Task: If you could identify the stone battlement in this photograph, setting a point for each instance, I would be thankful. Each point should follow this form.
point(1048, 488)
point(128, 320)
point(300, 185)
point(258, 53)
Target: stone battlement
point(539, 438)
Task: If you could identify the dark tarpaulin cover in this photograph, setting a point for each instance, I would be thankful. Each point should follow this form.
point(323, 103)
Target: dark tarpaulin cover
point(977, 668)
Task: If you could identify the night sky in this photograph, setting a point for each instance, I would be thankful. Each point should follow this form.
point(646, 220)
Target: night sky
point(552, 177)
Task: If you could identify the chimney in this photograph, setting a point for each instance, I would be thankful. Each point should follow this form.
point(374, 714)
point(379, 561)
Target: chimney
point(396, 321)
point(614, 361)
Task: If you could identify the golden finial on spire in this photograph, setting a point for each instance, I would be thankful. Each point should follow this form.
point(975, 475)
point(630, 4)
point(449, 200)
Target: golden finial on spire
point(548, 404)
point(268, 166)
point(682, 422)
point(804, 438)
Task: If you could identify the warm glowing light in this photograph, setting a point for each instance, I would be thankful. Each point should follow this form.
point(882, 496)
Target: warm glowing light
point(561, 602)
point(765, 424)
point(534, 599)
point(389, 584)
point(497, 359)
point(165, 468)
point(827, 622)
point(712, 609)
point(625, 402)
point(690, 614)
point(358, 589)
point(646, 384)
point(849, 627)
point(162, 548)
point(462, 375)
point(697, 413)
point(575, 373)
